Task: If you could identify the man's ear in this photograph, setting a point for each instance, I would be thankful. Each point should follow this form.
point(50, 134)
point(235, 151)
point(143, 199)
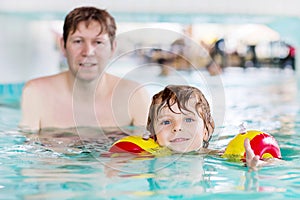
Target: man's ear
point(113, 47)
point(62, 46)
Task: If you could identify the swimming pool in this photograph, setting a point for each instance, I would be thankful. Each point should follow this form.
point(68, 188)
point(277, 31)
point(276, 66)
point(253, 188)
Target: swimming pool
point(58, 165)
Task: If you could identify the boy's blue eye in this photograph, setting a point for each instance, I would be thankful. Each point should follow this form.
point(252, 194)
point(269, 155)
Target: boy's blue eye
point(166, 122)
point(189, 120)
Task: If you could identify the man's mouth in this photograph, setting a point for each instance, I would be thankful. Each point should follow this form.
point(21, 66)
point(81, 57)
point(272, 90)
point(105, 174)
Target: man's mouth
point(87, 64)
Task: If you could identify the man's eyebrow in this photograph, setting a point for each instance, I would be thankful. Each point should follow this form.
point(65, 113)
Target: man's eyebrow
point(102, 37)
point(75, 36)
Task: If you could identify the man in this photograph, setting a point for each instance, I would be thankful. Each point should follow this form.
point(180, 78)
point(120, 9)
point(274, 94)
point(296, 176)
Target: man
point(85, 95)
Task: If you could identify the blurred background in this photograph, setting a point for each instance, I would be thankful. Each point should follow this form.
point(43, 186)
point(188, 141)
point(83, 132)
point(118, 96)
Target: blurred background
point(233, 33)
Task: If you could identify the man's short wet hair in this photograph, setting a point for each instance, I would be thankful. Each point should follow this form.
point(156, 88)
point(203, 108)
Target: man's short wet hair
point(87, 15)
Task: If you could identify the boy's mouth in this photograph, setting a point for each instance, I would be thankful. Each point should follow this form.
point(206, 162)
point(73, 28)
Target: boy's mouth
point(179, 140)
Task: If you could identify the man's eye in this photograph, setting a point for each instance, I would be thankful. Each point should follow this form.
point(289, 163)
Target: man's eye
point(77, 41)
point(166, 122)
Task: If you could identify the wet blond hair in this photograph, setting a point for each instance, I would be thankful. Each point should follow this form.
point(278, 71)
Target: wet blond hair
point(181, 95)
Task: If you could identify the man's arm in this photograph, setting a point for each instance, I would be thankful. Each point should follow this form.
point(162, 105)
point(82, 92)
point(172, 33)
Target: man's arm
point(139, 107)
point(30, 108)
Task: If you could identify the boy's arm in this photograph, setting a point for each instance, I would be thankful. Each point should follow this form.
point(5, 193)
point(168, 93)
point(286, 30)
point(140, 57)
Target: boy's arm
point(253, 161)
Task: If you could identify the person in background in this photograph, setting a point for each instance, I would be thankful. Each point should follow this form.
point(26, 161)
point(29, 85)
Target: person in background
point(213, 65)
point(84, 95)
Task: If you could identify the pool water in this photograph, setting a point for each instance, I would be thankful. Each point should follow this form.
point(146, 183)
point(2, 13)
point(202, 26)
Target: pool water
point(61, 164)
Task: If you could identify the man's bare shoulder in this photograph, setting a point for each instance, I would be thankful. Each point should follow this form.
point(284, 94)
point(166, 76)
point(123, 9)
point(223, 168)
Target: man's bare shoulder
point(123, 83)
point(126, 87)
point(134, 96)
point(43, 83)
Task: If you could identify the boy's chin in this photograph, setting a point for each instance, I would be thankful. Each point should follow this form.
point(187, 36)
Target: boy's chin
point(181, 150)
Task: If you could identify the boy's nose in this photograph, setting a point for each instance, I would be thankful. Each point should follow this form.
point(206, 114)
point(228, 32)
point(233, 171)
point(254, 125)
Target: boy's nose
point(177, 127)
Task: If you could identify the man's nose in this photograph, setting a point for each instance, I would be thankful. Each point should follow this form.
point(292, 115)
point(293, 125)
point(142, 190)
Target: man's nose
point(89, 49)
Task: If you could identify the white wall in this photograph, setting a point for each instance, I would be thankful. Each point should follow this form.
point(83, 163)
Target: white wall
point(27, 50)
point(264, 7)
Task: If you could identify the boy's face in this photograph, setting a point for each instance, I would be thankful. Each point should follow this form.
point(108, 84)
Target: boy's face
point(87, 51)
point(180, 132)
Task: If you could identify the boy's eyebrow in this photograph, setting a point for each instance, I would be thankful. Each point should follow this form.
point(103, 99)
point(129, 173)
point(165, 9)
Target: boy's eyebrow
point(160, 116)
point(163, 116)
point(187, 112)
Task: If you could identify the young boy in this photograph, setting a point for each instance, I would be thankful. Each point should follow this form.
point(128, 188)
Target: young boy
point(179, 118)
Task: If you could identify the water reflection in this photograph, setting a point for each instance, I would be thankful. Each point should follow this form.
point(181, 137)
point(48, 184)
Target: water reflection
point(80, 139)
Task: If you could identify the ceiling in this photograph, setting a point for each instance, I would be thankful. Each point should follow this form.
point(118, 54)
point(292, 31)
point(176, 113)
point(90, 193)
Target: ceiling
point(254, 7)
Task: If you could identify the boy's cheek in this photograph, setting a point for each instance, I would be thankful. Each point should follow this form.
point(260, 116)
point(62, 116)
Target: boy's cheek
point(161, 140)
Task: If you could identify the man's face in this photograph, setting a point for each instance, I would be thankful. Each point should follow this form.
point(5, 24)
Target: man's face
point(87, 51)
point(179, 132)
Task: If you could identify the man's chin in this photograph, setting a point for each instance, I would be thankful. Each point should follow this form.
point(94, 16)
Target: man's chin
point(87, 78)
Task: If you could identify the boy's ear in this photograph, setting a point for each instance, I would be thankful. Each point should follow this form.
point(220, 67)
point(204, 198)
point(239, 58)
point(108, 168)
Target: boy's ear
point(154, 137)
point(206, 138)
point(208, 131)
point(205, 135)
